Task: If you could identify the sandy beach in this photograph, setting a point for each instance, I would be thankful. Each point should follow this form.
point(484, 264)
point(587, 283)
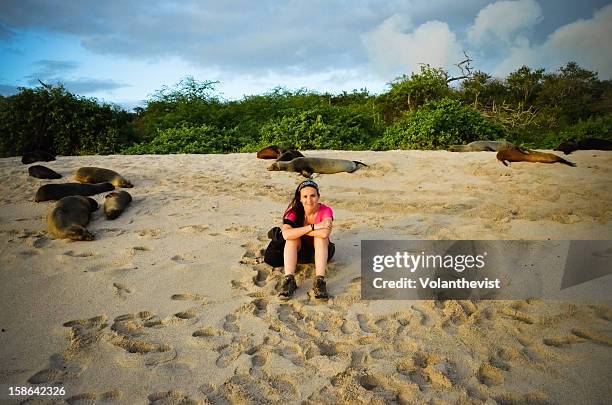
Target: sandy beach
point(172, 303)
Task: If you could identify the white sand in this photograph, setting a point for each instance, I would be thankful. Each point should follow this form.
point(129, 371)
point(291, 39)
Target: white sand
point(171, 302)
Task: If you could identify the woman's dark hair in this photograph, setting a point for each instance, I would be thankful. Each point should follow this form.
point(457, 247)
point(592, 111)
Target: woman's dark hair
point(296, 205)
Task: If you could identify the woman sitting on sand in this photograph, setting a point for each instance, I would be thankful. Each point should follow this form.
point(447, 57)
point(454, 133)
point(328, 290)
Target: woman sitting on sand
point(307, 225)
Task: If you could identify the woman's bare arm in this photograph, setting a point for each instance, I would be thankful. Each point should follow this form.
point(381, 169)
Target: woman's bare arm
point(322, 230)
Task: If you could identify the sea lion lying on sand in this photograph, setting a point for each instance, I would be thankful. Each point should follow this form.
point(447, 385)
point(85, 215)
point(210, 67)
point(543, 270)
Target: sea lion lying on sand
point(568, 147)
point(511, 155)
point(36, 156)
point(115, 203)
point(42, 172)
point(269, 152)
point(99, 175)
point(59, 191)
point(289, 156)
point(69, 217)
point(310, 165)
point(484, 146)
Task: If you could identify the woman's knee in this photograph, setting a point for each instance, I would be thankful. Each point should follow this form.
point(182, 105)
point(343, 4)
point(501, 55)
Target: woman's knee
point(293, 244)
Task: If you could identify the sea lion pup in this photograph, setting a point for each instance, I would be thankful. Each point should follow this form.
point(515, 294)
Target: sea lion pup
point(115, 203)
point(42, 172)
point(289, 156)
point(36, 156)
point(100, 175)
point(270, 152)
point(484, 146)
point(310, 165)
point(568, 147)
point(511, 155)
point(59, 191)
point(69, 217)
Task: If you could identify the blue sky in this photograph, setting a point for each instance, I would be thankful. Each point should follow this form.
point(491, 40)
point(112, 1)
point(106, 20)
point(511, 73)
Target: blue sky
point(122, 51)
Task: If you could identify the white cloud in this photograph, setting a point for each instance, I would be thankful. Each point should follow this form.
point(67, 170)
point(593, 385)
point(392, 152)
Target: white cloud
point(587, 42)
point(505, 21)
point(392, 50)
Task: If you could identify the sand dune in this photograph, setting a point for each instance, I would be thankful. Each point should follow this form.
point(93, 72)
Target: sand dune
point(172, 302)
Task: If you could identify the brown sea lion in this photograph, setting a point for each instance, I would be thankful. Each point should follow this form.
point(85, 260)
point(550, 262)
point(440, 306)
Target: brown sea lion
point(484, 146)
point(99, 175)
point(568, 147)
point(309, 165)
point(42, 172)
point(69, 217)
point(270, 152)
point(115, 203)
point(36, 156)
point(59, 191)
point(510, 155)
point(289, 155)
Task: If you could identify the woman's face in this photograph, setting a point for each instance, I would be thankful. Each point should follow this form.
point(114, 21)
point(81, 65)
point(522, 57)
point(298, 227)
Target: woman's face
point(309, 197)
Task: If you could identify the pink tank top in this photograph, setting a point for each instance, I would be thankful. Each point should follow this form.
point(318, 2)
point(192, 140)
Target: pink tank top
point(323, 213)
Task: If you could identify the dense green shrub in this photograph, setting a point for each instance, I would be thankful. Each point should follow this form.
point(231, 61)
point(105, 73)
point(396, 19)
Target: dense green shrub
point(438, 125)
point(50, 118)
point(410, 93)
point(186, 139)
point(326, 128)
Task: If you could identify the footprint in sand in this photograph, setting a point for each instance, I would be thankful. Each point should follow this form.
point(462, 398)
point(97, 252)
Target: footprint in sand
point(194, 228)
point(259, 306)
point(149, 233)
point(72, 253)
point(365, 323)
point(230, 324)
point(46, 376)
point(95, 322)
point(91, 397)
point(138, 346)
point(592, 336)
point(208, 331)
point(122, 290)
point(517, 315)
point(188, 314)
point(187, 297)
point(230, 352)
point(171, 397)
point(261, 277)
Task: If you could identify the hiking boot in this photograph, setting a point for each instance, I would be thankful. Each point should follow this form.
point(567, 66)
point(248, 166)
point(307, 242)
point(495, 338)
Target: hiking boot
point(319, 289)
point(288, 287)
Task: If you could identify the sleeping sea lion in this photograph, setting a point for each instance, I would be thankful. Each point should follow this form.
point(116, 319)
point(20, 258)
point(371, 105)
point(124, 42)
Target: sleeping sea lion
point(568, 147)
point(69, 217)
point(270, 152)
point(100, 175)
point(484, 146)
point(42, 172)
point(59, 191)
point(511, 155)
point(36, 156)
point(310, 165)
point(115, 203)
point(289, 156)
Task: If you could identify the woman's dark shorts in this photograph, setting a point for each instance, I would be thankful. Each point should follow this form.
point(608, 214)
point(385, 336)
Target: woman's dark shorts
point(276, 247)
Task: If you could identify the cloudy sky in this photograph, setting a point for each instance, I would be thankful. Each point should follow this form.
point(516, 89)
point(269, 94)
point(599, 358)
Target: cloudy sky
point(122, 50)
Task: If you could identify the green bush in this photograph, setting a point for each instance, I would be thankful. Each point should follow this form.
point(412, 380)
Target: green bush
point(330, 128)
point(186, 139)
point(438, 125)
point(600, 127)
point(410, 93)
point(50, 118)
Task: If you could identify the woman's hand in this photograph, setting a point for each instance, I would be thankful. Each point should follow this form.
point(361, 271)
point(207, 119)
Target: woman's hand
point(325, 224)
